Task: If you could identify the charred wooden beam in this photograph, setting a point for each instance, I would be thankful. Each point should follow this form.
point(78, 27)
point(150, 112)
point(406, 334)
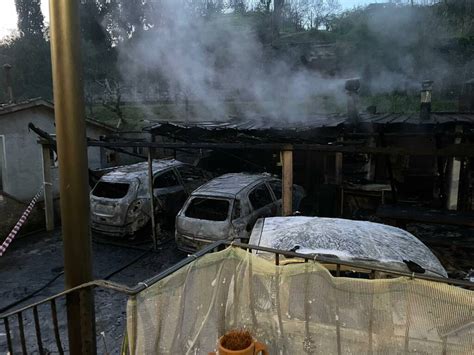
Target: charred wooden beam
point(287, 177)
point(388, 162)
point(51, 141)
point(454, 173)
point(441, 165)
point(461, 150)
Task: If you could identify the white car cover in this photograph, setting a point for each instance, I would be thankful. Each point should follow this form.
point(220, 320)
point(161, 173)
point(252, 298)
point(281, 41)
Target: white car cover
point(367, 242)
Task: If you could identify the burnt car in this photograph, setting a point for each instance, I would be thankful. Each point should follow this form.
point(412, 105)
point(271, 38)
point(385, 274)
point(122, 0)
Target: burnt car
point(120, 201)
point(227, 208)
point(366, 243)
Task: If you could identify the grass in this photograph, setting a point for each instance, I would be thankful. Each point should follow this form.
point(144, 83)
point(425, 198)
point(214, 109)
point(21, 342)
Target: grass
point(138, 116)
point(404, 103)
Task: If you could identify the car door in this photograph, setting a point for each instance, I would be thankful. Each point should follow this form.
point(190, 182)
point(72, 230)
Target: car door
point(262, 204)
point(192, 177)
point(276, 187)
point(240, 221)
point(169, 192)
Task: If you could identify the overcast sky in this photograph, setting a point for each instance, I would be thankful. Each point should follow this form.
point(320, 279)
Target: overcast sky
point(8, 13)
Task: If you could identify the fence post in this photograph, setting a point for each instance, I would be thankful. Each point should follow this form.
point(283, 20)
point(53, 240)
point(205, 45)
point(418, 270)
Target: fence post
point(152, 199)
point(48, 188)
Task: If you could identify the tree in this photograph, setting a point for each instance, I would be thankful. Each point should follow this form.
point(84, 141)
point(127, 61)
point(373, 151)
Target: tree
point(321, 12)
point(266, 4)
point(133, 16)
point(459, 14)
point(307, 14)
point(30, 18)
point(237, 6)
point(95, 20)
point(295, 11)
point(277, 12)
point(204, 8)
point(112, 99)
point(31, 77)
point(98, 19)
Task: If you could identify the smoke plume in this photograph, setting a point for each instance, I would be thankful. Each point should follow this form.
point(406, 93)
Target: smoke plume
point(220, 62)
point(215, 59)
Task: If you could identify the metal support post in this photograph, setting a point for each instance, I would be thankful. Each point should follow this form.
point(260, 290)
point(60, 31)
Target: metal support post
point(371, 164)
point(454, 174)
point(287, 177)
point(388, 163)
point(73, 172)
point(152, 198)
point(48, 188)
point(338, 165)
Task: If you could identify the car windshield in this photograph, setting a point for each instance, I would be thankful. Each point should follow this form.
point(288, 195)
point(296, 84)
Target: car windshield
point(113, 190)
point(208, 209)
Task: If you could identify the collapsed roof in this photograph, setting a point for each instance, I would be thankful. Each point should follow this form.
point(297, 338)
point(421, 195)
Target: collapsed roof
point(309, 129)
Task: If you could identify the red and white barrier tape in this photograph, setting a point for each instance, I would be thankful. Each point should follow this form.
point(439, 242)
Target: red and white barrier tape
point(19, 224)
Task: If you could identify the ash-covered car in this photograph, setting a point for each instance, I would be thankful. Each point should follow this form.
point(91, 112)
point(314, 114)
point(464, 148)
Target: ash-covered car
point(227, 208)
point(366, 243)
point(120, 201)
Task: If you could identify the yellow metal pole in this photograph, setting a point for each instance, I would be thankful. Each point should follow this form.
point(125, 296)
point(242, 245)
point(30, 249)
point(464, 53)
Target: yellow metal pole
point(72, 155)
point(287, 177)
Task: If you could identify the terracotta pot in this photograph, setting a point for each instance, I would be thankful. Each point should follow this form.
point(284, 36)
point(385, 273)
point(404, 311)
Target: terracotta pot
point(254, 348)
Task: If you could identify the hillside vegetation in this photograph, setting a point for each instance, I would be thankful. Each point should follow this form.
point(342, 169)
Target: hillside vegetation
point(215, 59)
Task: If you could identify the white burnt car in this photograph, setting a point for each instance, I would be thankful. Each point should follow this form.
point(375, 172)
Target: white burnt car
point(227, 208)
point(366, 243)
point(120, 201)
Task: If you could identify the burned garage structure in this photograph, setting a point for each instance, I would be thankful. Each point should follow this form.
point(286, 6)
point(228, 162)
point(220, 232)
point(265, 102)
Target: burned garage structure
point(231, 194)
point(352, 163)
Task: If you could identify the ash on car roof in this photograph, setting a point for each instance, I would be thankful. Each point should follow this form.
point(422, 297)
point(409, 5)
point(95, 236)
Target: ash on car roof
point(128, 172)
point(229, 184)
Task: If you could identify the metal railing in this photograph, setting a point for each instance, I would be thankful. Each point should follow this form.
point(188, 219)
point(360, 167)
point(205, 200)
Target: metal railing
point(32, 309)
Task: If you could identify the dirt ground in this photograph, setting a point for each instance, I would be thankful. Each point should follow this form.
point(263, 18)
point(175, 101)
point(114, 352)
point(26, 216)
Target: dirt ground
point(33, 261)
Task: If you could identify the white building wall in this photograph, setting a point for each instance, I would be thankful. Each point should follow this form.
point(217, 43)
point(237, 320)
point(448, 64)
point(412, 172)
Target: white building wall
point(23, 175)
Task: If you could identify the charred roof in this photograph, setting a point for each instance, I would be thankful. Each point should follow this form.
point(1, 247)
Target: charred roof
point(309, 129)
